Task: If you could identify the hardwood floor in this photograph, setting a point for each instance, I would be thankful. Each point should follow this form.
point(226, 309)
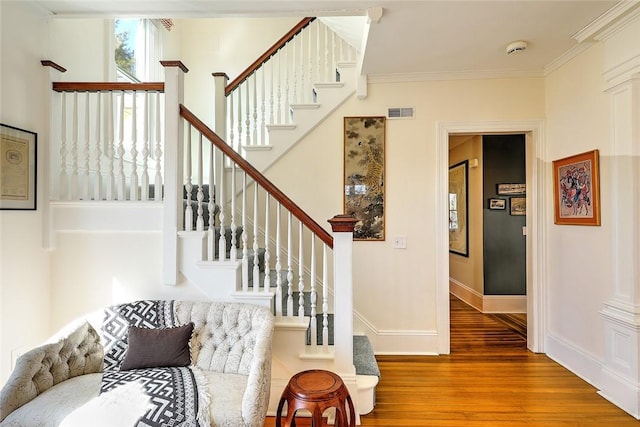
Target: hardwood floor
point(489, 379)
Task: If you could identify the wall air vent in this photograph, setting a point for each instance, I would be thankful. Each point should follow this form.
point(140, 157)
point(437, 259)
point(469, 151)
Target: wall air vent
point(400, 113)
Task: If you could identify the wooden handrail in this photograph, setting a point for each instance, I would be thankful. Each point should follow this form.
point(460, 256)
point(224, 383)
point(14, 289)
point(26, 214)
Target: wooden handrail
point(268, 54)
point(107, 86)
point(257, 176)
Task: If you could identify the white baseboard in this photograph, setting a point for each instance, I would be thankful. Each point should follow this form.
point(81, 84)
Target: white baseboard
point(488, 303)
point(575, 359)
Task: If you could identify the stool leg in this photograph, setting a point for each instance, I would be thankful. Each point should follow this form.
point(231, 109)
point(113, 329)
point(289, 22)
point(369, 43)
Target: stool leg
point(279, 413)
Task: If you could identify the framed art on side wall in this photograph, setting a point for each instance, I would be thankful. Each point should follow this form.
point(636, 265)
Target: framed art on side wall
point(364, 146)
point(458, 211)
point(18, 157)
point(576, 189)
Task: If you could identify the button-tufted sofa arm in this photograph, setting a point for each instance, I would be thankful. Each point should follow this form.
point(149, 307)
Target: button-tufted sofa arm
point(38, 370)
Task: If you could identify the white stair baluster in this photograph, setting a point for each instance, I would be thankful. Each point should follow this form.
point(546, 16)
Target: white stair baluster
point(247, 119)
point(310, 59)
point(325, 299)
point(287, 101)
point(111, 151)
point(133, 184)
point(303, 83)
point(64, 194)
point(120, 184)
point(263, 104)
point(97, 185)
point(239, 119)
point(87, 149)
point(279, 90)
point(327, 64)
point(158, 152)
point(144, 181)
point(289, 267)
point(74, 150)
point(271, 94)
point(188, 187)
point(233, 255)
point(301, 269)
point(200, 192)
point(255, 124)
point(278, 263)
point(314, 294)
point(332, 69)
point(222, 240)
point(231, 121)
point(256, 262)
point(318, 55)
point(245, 254)
point(267, 252)
point(211, 235)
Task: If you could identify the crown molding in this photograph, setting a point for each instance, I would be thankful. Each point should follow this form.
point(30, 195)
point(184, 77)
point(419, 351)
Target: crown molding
point(605, 23)
point(566, 57)
point(454, 75)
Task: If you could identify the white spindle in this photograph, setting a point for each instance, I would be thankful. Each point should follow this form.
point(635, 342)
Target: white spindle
point(97, 189)
point(211, 235)
point(333, 57)
point(314, 294)
point(267, 252)
point(279, 90)
point(289, 267)
point(239, 119)
point(327, 64)
point(256, 248)
point(287, 116)
point(188, 211)
point(120, 178)
point(111, 151)
point(133, 182)
point(325, 299)
point(231, 120)
point(245, 254)
point(303, 86)
point(278, 263)
point(247, 117)
point(74, 150)
point(300, 269)
point(158, 153)
point(200, 192)
point(144, 181)
point(271, 90)
point(63, 147)
point(222, 240)
point(263, 103)
point(234, 228)
point(254, 125)
point(318, 55)
point(87, 149)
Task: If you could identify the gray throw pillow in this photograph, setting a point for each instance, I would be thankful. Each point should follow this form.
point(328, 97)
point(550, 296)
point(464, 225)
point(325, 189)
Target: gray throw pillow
point(155, 348)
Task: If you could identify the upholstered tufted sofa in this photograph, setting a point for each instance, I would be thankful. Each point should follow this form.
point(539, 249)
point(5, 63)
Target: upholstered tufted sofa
point(230, 347)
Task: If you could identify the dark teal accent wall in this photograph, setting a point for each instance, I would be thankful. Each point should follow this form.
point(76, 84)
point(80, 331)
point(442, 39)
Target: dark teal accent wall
point(504, 245)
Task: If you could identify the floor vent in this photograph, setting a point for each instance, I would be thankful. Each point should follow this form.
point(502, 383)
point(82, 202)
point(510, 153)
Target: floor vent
point(400, 113)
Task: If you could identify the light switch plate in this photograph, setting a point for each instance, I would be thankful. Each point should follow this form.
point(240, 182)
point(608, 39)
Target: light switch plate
point(399, 242)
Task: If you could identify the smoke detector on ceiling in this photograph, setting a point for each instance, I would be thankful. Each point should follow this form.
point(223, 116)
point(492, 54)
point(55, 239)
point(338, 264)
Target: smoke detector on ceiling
point(516, 46)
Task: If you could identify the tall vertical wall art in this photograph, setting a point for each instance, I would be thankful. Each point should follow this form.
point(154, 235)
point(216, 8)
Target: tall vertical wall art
point(364, 144)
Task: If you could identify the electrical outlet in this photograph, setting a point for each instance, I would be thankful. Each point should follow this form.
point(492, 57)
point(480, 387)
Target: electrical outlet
point(399, 242)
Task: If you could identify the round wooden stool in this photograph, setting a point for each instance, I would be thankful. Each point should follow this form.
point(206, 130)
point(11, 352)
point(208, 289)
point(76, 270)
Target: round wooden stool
point(316, 391)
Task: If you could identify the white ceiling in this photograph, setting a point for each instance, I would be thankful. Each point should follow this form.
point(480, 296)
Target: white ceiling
point(412, 38)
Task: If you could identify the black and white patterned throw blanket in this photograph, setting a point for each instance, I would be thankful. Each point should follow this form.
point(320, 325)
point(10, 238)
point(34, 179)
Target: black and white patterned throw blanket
point(173, 392)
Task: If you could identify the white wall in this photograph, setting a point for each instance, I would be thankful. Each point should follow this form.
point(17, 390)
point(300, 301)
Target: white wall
point(24, 264)
point(579, 279)
point(395, 289)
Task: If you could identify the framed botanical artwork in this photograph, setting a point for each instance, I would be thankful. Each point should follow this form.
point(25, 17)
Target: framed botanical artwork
point(518, 206)
point(18, 157)
point(458, 208)
point(509, 189)
point(497, 204)
point(364, 145)
point(576, 189)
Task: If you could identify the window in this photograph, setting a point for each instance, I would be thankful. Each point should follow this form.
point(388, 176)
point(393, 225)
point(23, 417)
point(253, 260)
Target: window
point(137, 50)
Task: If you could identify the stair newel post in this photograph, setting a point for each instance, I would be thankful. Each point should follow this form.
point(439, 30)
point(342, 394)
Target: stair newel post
point(220, 106)
point(173, 170)
point(342, 226)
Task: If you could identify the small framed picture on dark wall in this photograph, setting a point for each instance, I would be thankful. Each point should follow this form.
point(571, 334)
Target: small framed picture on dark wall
point(518, 205)
point(497, 204)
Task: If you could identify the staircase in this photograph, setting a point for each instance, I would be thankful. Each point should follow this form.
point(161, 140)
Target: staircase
point(226, 228)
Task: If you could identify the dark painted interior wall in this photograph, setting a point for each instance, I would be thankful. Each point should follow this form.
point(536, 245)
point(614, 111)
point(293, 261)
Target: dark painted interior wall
point(504, 243)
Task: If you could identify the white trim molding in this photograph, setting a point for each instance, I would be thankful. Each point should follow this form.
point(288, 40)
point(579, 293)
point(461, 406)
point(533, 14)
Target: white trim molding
point(488, 303)
point(536, 239)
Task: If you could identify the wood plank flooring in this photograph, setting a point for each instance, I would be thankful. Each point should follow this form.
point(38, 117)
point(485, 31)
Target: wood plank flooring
point(489, 379)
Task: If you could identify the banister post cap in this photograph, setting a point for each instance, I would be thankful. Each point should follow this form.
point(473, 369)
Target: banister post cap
point(343, 223)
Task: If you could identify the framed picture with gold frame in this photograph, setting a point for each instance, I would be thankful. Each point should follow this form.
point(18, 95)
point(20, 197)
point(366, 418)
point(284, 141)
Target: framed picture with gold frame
point(576, 189)
point(364, 152)
point(18, 162)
